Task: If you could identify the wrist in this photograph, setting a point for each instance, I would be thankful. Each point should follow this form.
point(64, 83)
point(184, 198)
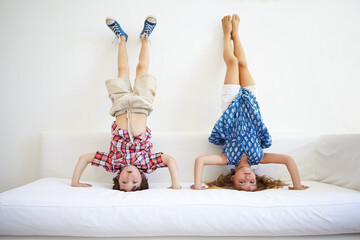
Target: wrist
point(74, 183)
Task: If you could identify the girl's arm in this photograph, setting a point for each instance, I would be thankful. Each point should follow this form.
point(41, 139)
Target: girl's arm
point(218, 159)
point(84, 160)
point(291, 166)
point(173, 169)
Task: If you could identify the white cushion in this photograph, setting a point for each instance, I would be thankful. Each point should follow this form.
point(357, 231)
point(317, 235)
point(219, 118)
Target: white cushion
point(337, 160)
point(300, 146)
point(52, 207)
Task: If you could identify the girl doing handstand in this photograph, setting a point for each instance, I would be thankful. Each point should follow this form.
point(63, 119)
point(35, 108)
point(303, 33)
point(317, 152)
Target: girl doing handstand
point(240, 129)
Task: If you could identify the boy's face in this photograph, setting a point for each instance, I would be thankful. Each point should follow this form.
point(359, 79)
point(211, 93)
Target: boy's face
point(130, 178)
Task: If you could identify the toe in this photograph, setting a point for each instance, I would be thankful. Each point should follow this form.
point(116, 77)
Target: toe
point(235, 17)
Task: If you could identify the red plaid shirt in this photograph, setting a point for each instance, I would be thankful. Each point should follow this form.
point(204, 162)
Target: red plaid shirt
point(123, 152)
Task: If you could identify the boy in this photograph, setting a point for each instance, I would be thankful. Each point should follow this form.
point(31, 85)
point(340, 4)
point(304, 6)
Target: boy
point(130, 148)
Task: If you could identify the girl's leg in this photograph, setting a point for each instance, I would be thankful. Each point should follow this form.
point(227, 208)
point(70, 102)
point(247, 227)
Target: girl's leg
point(123, 72)
point(232, 70)
point(231, 83)
point(244, 73)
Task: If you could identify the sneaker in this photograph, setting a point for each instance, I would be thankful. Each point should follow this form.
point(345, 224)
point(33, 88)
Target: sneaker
point(149, 25)
point(115, 27)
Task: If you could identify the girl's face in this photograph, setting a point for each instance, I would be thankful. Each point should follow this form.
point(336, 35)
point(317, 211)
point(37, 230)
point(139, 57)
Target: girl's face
point(130, 178)
point(244, 179)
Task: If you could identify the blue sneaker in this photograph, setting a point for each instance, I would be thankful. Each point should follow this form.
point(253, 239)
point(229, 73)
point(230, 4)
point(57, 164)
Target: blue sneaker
point(149, 25)
point(115, 27)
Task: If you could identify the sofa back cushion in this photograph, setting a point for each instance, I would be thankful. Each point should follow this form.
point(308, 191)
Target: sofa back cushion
point(301, 147)
point(338, 160)
point(61, 150)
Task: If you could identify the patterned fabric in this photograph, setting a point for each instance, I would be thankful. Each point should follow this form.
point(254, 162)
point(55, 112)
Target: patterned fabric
point(123, 152)
point(241, 130)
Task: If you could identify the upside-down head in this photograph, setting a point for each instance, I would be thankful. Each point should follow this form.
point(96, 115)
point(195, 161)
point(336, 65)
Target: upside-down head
point(130, 179)
point(243, 179)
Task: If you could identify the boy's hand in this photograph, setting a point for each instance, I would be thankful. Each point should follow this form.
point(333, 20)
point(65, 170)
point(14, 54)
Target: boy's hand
point(197, 188)
point(170, 162)
point(302, 187)
point(84, 160)
point(80, 184)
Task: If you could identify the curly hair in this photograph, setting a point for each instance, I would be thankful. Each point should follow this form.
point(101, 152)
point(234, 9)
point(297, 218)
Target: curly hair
point(262, 182)
point(143, 185)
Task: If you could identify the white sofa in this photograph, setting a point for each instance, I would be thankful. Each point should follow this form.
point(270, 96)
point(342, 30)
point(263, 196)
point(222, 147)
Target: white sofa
point(49, 207)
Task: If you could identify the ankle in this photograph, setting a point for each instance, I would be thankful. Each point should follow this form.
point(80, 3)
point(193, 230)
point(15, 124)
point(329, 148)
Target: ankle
point(122, 38)
point(144, 39)
point(235, 34)
point(227, 35)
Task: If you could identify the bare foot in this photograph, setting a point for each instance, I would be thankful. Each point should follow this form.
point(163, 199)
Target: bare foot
point(235, 20)
point(226, 25)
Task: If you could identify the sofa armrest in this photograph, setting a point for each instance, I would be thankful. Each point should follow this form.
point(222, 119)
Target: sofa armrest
point(337, 160)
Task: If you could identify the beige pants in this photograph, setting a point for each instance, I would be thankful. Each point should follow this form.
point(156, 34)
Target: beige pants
point(138, 100)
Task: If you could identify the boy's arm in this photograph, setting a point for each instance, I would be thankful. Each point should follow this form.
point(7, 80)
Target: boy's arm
point(291, 166)
point(219, 159)
point(84, 160)
point(173, 170)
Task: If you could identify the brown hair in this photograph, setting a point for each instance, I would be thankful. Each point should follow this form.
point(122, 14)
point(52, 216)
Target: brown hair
point(143, 185)
point(262, 182)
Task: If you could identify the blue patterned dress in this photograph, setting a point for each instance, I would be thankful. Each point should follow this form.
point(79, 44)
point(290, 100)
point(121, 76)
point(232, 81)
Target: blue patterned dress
point(241, 130)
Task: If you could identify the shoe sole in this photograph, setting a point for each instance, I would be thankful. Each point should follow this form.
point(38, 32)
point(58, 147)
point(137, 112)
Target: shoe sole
point(109, 18)
point(148, 18)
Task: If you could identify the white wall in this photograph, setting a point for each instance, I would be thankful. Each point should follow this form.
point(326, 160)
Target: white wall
point(56, 55)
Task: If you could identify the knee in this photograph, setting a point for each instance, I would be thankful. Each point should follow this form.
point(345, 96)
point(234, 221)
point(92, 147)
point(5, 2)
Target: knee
point(141, 68)
point(231, 61)
point(242, 62)
point(123, 71)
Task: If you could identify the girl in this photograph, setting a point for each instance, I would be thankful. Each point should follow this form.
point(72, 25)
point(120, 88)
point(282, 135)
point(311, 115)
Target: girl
point(130, 148)
point(240, 128)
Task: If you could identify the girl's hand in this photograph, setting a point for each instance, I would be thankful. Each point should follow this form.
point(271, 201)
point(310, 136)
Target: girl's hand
point(197, 188)
point(302, 187)
point(175, 187)
point(80, 184)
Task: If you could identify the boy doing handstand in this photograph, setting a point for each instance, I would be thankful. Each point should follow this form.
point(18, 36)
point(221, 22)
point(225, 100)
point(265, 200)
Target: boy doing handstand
point(130, 149)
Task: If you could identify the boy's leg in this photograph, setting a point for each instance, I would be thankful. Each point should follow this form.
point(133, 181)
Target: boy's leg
point(119, 89)
point(143, 66)
point(145, 84)
point(144, 91)
point(123, 72)
point(244, 73)
point(123, 62)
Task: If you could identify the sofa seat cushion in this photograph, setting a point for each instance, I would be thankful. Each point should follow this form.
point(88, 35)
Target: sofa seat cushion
point(50, 206)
